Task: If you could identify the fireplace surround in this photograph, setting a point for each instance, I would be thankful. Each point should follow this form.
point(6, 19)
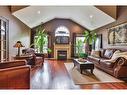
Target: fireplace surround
point(62, 47)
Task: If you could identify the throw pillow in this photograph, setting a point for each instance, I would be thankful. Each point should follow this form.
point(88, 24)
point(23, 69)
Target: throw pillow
point(108, 53)
point(95, 53)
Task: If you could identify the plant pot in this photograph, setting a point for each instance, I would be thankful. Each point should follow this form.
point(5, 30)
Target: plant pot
point(49, 55)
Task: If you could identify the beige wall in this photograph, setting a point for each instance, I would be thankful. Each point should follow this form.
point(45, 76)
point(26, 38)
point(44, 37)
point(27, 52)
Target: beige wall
point(17, 31)
point(122, 17)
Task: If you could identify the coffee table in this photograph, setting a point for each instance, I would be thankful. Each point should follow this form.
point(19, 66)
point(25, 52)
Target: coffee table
point(83, 65)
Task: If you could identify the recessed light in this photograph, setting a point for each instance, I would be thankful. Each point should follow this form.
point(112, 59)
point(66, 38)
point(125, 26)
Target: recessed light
point(91, 16)
point(38, 12)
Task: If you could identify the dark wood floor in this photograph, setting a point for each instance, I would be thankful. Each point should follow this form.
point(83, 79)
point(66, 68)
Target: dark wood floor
point(53, 75)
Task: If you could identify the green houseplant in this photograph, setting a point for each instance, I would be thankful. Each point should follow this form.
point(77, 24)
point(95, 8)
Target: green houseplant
point(49, 52)
point(83, 55)
point(90, 37)
point(40, 39)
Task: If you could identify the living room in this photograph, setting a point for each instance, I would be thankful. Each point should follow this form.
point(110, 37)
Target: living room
point(64, 31)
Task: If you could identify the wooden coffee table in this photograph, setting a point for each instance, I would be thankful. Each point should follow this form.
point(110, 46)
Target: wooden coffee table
point(83, 65)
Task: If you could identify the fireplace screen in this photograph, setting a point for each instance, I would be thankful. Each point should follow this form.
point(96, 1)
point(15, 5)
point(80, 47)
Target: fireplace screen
point(62, 55)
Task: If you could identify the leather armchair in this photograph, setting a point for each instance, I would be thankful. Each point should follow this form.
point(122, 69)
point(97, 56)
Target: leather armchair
point(38, 58)
point(14, 75)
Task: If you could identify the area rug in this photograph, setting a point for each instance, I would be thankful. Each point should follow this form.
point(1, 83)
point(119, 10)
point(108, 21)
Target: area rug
point(98, 76)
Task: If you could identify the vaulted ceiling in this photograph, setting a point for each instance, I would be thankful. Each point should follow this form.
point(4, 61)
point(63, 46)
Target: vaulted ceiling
point(90, 17)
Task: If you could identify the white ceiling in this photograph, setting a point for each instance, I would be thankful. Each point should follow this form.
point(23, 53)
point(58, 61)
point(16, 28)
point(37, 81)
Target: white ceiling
point(88, 16)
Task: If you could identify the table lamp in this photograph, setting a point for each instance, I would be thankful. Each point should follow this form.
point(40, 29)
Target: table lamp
point(18, 45)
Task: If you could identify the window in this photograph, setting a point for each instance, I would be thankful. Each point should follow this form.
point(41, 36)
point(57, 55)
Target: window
point(98, 43)
point(62, 35)
point(45, 47)
point(79, 45)
point(62, 31)
point(4, 48)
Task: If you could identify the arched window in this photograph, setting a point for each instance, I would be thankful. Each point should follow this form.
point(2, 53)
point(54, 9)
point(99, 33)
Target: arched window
point(62, 31)
point(62, 35)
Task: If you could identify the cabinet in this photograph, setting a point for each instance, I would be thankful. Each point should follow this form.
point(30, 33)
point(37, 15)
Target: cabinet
point(4, 44)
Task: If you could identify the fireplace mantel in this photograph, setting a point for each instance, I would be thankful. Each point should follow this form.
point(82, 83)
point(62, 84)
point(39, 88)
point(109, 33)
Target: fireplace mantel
point(62, 47)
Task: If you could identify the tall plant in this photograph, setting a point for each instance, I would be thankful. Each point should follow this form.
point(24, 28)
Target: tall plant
point(90, 37)
point(40, 38)
point(79, 46)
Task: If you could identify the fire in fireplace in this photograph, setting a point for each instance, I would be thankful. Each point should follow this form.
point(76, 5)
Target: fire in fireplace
point(62, 55)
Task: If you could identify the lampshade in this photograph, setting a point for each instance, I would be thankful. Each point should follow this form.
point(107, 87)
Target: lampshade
point(18, 44)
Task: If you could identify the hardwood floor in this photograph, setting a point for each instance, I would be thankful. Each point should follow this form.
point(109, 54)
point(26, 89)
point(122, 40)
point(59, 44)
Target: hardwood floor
point(53, 75)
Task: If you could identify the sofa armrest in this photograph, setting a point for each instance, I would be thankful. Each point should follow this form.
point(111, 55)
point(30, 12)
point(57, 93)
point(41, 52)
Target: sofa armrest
point(121, 61)
point(120, 68)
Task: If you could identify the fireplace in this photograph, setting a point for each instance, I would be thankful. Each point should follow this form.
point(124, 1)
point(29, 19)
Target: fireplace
point(62, 47)
point(62, 55)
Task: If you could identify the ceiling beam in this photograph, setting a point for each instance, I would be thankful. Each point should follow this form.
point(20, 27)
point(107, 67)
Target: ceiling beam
point(16, 8)
point(110, 10)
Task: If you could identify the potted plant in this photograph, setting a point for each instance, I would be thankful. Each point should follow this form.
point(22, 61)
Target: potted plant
point(49, 52)
point(90, 37)
point(40, 39)
point(83, 55)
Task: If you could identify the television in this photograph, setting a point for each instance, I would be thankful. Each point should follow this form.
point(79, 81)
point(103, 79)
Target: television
point(62, 40)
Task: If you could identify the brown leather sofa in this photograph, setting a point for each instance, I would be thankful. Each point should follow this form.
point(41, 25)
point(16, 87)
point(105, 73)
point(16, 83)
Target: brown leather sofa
point(38, 58)
point(118, 68)
point(14, 75)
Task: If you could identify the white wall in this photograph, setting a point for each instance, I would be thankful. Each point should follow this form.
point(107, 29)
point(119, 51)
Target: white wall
point(17, 31)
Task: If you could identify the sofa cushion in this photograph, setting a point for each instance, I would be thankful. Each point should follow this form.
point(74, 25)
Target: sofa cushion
point(102, 58)
point(108, 53)
point(95, 59)
point(106, 63)
point(95, 53)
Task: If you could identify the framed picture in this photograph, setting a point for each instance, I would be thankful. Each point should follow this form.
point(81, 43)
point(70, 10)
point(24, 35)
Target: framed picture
point(118, 35)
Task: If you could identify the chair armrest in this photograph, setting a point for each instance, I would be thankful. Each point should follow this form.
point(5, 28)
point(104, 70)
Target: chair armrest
point(39, 54)
point(15, 77)
point(14, 63)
